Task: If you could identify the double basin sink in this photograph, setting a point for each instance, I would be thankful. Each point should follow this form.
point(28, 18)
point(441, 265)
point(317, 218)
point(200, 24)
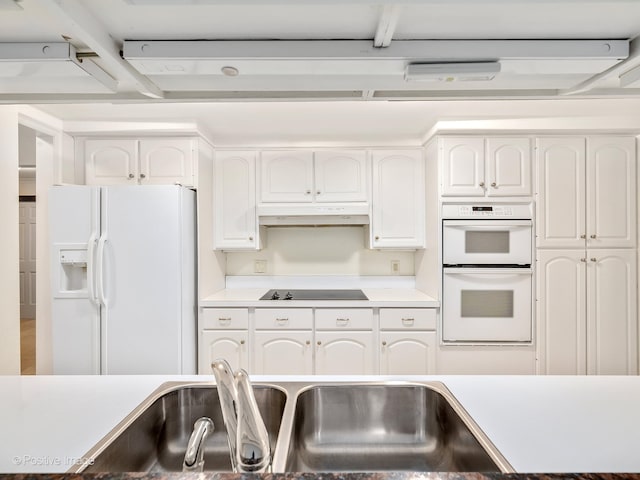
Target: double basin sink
point(313, 427)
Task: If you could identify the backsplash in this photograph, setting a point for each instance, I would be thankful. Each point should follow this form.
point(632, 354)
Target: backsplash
point(339, 250)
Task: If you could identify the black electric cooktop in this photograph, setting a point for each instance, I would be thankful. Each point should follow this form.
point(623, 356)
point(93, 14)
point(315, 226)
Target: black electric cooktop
point(292, 294)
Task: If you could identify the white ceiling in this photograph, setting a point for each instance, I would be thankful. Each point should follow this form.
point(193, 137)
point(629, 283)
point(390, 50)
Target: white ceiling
point(305, 87)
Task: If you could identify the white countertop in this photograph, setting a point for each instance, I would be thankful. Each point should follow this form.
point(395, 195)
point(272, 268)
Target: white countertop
point(377, 297)
point(539, 423)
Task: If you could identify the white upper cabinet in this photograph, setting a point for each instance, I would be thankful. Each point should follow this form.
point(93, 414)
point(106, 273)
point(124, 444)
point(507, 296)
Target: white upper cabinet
point(111, 161)
point(462, 166)
point(508, 167)
point(586, 192)
point(139, 161)
point(235, 225)
point(491, 166)
point(398, 201)
point(561, 219)
point(166, 160)
point(303, 176)
point(341, 176)
point(611, 192)
point(286, 176)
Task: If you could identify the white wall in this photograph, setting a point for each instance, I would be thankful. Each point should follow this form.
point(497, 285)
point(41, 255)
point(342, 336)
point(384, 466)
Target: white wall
point(9, 243)
point(335, 250)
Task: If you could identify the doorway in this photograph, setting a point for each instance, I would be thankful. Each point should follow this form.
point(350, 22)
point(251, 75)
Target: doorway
point(27, 230)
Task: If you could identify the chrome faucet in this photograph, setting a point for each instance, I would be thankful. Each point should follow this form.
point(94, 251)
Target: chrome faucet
point(194, 456)
point(248, 438)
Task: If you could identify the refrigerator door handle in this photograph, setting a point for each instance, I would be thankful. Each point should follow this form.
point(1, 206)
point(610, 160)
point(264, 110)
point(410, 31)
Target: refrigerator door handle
point(101, 275)
point(91, 285)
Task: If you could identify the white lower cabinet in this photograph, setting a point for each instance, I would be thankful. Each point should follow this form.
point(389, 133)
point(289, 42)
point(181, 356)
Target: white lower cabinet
point(323, 341)
point(287, 352)
point(232, 345)
point(344, 342)
point(587, 312)
point(408, 341)
point(344, 353)
point(224, 333)
point(407, 354)
point(282, 341)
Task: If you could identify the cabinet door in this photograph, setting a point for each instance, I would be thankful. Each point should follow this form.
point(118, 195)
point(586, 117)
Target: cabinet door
point(508, 162)
point(561, 205)
point(561, 309)
point(341, 353)
point(282, 353)
point(228, 344)
point(111, 161)
point(612, 330)
point(235, 225)
point(286, 176)
point(407, 353)
point(341, 176)
point(165, 161)
point(611, 192)
point(398, 202)
point(462, 160)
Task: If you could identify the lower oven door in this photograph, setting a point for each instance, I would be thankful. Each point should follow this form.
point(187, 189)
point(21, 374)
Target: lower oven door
point(487, 305)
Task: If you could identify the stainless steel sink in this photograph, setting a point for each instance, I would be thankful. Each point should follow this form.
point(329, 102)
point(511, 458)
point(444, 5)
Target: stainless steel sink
point(313, 427)
point(385, 427)
point(153, 438)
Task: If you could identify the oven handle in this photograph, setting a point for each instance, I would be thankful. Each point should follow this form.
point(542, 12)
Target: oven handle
point(488, 271)
point(479, 224)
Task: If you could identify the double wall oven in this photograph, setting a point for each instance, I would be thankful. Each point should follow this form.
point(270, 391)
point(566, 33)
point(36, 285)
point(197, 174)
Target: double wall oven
point(487, 274)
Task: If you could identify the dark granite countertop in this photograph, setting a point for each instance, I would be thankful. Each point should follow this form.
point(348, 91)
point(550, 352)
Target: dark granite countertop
point(327, 476)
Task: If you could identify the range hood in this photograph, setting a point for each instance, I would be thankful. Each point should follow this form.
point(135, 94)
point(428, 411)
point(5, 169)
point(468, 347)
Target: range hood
point(313, 215)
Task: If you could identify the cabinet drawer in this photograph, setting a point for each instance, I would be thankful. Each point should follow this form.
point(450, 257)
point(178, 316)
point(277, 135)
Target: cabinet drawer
point(225, 318)
point(407, 319)
point(344, 318)
point(284, 318)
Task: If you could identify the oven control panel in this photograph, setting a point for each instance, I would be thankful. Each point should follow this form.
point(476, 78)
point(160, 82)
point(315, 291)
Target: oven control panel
point(511, 211)
point(485, 211)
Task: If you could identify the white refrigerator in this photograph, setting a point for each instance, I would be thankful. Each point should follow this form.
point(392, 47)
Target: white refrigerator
point(123, 279)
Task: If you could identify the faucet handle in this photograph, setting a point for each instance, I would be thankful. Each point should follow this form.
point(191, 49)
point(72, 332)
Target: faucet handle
point(252, 441)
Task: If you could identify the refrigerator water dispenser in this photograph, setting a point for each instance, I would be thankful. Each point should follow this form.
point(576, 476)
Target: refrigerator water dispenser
point(73, 271)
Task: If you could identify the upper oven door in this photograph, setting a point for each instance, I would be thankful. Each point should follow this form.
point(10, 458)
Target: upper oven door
point(486, 242)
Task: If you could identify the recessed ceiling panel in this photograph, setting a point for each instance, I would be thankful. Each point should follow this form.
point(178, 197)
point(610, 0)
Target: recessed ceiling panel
point(282, 20)
point(460, 19)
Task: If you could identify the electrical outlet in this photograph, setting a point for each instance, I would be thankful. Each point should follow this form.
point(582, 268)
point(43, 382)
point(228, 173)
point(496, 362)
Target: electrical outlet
point(395, 267)
point(260, 266)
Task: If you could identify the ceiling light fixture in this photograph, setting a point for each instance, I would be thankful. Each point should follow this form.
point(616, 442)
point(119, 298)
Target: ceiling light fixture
point(452, 72)
point(230, 71)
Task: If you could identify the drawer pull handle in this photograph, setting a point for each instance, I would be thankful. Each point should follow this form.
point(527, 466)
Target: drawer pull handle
point(408, 322)
point(282, 321)
point(241, 342)
point(384, 344)
point(224, 321)
point(341, 322)
point(308, 342)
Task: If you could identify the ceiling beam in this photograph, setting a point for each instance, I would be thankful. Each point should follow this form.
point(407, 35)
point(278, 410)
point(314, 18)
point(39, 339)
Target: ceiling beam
point(429, 50)
point(624, 70)
point(81, 24)
point(386, 25)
